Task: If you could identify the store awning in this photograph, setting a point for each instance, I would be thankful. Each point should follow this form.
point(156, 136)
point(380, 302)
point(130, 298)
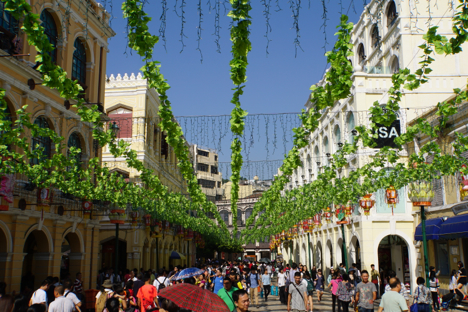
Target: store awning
point(454, 227)
point(433, 227)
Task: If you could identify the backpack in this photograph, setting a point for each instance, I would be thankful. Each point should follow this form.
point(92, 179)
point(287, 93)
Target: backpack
point(101, 301)
point(162, 285)
point(310, 285)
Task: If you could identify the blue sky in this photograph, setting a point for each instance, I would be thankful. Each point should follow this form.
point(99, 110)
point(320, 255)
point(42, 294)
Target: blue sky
point(277, 83)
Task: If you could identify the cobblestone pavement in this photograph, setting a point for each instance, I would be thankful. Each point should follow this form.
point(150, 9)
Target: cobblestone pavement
point(273, 304)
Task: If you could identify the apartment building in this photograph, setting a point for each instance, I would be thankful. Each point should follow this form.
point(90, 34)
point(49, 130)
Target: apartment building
point(206, 167)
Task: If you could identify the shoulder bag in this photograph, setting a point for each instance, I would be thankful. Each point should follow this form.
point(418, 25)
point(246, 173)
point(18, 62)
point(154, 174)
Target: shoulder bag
point(297, 290)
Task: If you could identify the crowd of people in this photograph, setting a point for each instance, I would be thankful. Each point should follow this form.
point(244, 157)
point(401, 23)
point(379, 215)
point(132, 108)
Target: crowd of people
point(239, 285)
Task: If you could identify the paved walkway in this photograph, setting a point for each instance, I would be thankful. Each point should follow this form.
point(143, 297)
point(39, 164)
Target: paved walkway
point(273, 304)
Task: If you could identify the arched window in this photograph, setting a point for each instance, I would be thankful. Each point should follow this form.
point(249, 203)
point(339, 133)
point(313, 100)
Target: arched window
point(309, 163)
point(316, 158)
point(50, 29)
point(74, 141)
point(392, 14)
point(79, 62)
point(239, 218)
point(8, 31)
point(394, 66)
point(248, 213)
point(42, 142)
point(337, 135)
point(8, 22)
point(326, 150)
point(361, 53)
point(350, 125)
point(225, 216)
point(375, 37)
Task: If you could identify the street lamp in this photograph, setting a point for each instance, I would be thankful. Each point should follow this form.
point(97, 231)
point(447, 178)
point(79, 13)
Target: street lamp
point(115, 129)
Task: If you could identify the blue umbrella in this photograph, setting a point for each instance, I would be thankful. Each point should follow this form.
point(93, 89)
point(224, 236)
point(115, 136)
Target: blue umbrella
point(176, 255)
point(189, 273)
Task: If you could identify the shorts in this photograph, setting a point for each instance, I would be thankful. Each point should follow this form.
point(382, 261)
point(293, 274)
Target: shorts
point(319, 289)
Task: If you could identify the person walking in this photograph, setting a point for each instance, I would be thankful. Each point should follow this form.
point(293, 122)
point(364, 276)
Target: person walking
point(422, 296)
point(61, 304)
point(365, 294)
point(253, 283)
point(345, 294)
point(375, 278)
point(310, 290)
point(334, 283)
point(453, 281)
point(434, 288)
point(393, 301)
point(266, 284)
point(67, 284)
point(241, 300)
point(297, 299)
point(461, 281)
point(226, 293)
point(218, 281)
point(282, 286)
point(319, 285)
point(147, 295)
point(404, 292)
point(40, 295)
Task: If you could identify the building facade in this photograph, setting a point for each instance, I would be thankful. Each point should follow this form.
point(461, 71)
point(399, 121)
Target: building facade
point(133, 107)
point(39, 240)
point(206, 167)
point(385, 39)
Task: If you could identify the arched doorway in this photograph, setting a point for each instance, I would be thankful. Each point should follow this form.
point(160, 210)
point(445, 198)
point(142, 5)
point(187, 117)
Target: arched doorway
point(393, 255)
point(71, 256)
point(329, 255)
point(354, 252)
point(36, 260)
point(340, 251)
point(108, 254)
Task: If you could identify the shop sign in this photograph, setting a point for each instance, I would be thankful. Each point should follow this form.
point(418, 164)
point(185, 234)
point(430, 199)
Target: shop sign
point(387, 135)
point(457, 209)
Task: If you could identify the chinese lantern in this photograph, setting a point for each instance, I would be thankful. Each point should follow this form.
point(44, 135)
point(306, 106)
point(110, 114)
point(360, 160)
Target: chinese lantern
point(117, 216)
point(305, 226)
point(317, 220)
point(289, 234)
point(87, 206)
point(327, 214)
point(295, 231)
point(188, 234)
point(367, 203)
point(283, 235)
point(147, 220)
point(391, 196)
point(348, 209)
point(310, 221)
point(44, 198)
point(421, 193)
point(167, 227)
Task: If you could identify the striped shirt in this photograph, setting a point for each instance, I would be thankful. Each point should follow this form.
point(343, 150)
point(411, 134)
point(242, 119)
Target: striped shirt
point(77, 287)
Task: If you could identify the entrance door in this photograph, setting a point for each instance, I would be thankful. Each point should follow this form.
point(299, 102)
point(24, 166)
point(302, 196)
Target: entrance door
point(393, 255)
point(108, 254)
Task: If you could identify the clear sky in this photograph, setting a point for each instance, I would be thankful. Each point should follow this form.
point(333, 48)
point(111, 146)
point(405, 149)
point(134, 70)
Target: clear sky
point(277, 83)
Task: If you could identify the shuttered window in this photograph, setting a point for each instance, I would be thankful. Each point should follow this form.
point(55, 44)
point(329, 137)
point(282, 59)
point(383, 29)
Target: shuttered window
point(123, 118)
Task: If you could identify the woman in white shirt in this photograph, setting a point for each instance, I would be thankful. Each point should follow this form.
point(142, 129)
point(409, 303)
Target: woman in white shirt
point(453, 281)
point(282, 286)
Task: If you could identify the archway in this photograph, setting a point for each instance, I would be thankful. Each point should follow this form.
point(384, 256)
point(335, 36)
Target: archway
point(72, 255)
point(340, 251)
point(329, 255)
point(393, 253)
point(108, 254)
point(36, 260)
point(318, 256)
point(354, 252)
point(297, 253)
point(304, 255)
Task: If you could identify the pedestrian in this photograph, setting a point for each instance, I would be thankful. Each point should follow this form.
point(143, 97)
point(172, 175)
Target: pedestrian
point(138, 283)
point(305, 270)
point(404, 292)
point(375, 277)
point(6, 303)
point(241, 300)
point(344, 294)
point(422, 296)
point(310, 290)
point(365, 294)
point(461, 281)
point(102, 296)
point(330, 276)
point(67, 284)
point(147, 295)
point(235, 279)
point(266, 284)
point(393, 301)
point(453, 281)
point(226, 293)
point(112, 305)
point(319, 282)
point(40, 295)
point(434, 288)
point(61, 304)
point(334, 283)
point(297, 299)
point(282, 286)
point(313, 273)
point(292, 272)
point(254, 283)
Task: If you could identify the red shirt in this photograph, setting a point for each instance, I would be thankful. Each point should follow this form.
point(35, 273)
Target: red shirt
point(146, 294)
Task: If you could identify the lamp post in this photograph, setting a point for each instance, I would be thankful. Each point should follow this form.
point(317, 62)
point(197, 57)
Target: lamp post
point(115, 132)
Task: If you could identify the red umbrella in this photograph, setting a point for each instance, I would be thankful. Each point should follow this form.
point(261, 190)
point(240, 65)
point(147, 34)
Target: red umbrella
point(190, 297)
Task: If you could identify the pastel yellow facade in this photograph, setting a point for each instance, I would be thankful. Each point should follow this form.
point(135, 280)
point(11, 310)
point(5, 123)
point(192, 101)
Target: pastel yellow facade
point(134, 109)
point(56, 240)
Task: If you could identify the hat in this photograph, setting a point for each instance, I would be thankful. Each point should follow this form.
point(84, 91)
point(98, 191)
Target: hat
point(107, 284)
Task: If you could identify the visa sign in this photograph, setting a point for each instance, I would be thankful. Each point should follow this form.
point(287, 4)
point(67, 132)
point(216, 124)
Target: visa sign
point(387, 135)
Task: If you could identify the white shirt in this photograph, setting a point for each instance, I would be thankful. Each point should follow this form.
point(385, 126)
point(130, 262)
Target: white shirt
point(160, 280)
point(269, 269)
point(304, 282)
point(39, 296)
point(62, 304)
point(106, 290)
point(281, 279)
point(69, 295)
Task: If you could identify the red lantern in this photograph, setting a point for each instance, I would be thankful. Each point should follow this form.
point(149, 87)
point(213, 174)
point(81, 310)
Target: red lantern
point(167, 227)
point(348, 209)
point(147, 220)
point(188, 234)
point(318, 220)
point(180, 231)
point(311, 224)
point(117, 216)
point(7, 182)
point(87, 206)
point(283, 235)
point(391, 197)
point(44, 197)
point(367, 203)
point(305, 226)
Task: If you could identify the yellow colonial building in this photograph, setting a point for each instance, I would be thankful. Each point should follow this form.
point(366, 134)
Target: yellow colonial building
point(134, 109)
point(54, 240)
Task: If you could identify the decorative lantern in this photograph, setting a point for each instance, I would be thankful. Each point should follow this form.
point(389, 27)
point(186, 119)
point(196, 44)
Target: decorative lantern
point(167, 227)
point(421, 193)
point(188, 235)
point(147, 220)
point(44, 198)
point(348, 209)
point(391, 197)
point(87, 206)
point(463, 185)
point(117, 216)
point(7, 182)
point(366, 204)
point(289, 234)
point(327, 214)
point(305, 226)
point(283, 235)
point(134, 216)
point(295, 231)
point(317, 220)
point(310, 221)
point(180, 231)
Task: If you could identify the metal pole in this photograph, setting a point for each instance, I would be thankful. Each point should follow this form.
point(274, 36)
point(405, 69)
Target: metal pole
point(157, 254)
point(290, 253)
point(310, 258)
point(116, 249)
point(344, 248)
point(426, 259)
